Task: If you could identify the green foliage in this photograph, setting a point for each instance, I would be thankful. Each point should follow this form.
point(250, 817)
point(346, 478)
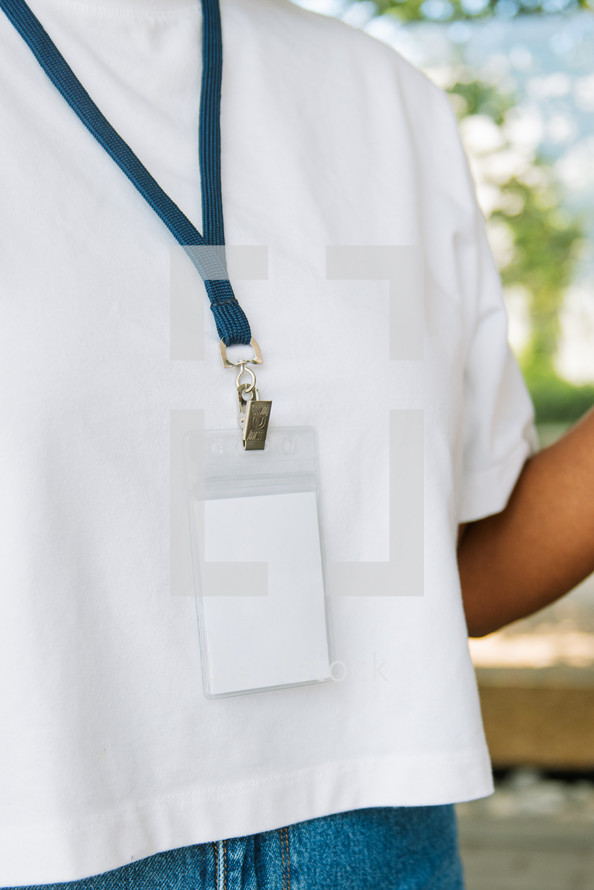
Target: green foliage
point(479, 97)
point(465, 10)
point(547, 242)
point(555, 400)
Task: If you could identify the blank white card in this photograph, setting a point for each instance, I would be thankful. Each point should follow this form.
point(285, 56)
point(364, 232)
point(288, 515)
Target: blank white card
point(262, 606)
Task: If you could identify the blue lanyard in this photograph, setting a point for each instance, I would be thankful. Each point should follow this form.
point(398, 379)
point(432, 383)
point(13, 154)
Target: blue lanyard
point(231, 322)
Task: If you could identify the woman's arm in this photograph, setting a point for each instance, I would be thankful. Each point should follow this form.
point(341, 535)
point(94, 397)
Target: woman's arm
point(518, 561)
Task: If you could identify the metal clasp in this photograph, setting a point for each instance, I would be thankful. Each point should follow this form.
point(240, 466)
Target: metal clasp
point(254, 414)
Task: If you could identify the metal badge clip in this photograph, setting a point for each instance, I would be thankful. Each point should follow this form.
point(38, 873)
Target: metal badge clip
point(254, 413)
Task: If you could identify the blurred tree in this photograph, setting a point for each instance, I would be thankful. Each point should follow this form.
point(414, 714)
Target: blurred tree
point(456, 10)
point(542, 239)
point(543, 244)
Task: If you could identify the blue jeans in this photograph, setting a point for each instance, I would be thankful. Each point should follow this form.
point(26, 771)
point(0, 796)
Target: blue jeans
point(379, 848)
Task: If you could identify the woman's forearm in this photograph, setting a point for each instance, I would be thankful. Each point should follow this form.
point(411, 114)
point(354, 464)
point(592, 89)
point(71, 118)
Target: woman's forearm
point(542, 544)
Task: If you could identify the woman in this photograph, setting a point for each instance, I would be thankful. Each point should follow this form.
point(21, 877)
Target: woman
point(345, 162)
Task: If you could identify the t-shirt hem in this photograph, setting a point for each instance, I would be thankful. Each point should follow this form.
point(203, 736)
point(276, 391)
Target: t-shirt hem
point(69, 851)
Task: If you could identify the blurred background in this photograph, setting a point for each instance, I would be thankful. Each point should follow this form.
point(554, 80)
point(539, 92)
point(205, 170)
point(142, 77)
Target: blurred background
point(520, 75)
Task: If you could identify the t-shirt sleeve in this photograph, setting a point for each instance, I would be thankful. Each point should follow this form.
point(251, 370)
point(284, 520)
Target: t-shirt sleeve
point(498, 430)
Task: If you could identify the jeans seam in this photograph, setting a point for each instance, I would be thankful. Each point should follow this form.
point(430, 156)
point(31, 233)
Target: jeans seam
point(282, 852)
point(288, 861)
point(285, 858)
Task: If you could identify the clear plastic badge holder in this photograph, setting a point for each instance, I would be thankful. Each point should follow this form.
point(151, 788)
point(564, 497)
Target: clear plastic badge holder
point(258, 561)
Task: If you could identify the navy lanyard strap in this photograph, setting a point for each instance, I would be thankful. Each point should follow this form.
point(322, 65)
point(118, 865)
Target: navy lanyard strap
point(231, 322)
point(209, 130)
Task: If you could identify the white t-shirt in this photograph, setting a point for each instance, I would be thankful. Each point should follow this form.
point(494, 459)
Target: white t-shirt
point(109, 752)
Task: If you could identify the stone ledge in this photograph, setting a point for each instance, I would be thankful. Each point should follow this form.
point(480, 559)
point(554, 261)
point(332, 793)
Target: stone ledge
point(542, 717)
